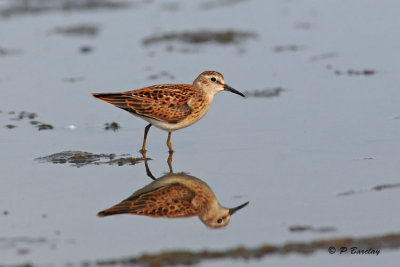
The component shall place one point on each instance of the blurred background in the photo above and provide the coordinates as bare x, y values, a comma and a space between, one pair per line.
314, 146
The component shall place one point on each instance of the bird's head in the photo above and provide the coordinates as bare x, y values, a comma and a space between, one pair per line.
213, 82
219, 216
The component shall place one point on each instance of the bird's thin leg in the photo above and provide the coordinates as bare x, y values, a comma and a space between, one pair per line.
169, 161
169, 143
146, 130
143, 154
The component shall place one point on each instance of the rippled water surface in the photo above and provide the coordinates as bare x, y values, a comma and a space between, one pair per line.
314, 147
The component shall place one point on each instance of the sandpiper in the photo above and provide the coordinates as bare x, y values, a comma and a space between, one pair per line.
170, 107
176, 195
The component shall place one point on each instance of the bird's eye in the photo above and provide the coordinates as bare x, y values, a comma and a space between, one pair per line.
213, 79
219, 220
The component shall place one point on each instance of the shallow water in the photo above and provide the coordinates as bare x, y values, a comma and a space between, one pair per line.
333, 129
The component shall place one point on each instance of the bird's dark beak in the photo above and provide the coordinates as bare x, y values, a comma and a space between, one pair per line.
230, 89
233, 210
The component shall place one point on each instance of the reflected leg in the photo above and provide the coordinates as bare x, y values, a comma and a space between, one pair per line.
169, 161
169, 143
148, 172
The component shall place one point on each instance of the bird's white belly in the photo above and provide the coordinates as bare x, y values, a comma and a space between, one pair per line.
169, 127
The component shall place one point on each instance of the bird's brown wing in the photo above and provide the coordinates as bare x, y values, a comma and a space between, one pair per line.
163, 102
173, 200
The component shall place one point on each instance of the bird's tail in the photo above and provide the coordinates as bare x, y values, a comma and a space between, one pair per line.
121, 100
121, 208
109, 96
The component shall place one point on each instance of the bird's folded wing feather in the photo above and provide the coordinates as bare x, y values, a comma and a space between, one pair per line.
173, 200
164, 102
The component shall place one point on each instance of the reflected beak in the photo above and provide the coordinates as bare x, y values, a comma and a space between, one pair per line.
233, 210
230, 89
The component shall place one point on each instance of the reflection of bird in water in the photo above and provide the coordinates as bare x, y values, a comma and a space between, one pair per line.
170, 106
176, 195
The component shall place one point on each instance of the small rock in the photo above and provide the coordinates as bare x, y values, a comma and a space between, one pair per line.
10, 126
86, 49
112, 126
